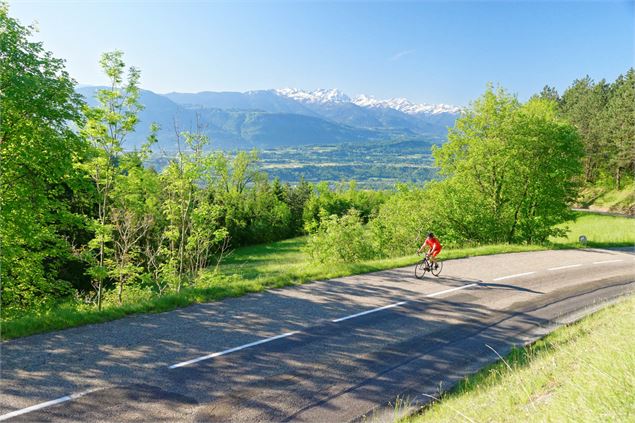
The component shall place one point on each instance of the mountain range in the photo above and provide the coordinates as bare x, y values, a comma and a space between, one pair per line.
285, 117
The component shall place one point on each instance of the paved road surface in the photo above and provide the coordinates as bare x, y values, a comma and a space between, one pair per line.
333, 350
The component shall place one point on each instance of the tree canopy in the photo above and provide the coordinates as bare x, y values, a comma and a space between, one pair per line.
511, 170
39, 208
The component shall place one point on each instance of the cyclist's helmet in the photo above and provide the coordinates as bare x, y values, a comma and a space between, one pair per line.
430, 235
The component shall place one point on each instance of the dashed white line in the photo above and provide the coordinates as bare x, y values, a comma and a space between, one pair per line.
401, 303
513, 276
231, 350
368, 311
606, 261
565, 267
451, 290
47, 404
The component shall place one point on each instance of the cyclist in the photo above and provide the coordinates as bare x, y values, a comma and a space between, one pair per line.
434, 250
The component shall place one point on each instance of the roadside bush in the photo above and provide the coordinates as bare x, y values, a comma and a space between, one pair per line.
341, 239
401, 223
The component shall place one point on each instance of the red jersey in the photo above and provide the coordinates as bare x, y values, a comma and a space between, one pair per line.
434, 244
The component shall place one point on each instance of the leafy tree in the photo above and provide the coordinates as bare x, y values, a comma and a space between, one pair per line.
549, 93
40, 188
296, 198
278, 190
193, 222
401, 223
269, 218
106, 127
135, 211
582, 105
509, 169
339, 201
619, 124
235, 175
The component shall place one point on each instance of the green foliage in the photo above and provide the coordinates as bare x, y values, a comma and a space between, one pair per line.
341, 239
510, 171
192, 221
253, 211
402, 222
619, 125
296, 198
604, 115
135, 215
106, 128
40, 188
258, 267
346, 196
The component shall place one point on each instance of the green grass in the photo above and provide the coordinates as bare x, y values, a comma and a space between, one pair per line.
600, 230
284, 263
583, 372
600, 198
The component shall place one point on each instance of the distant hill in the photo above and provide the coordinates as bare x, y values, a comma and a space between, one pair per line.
287, 117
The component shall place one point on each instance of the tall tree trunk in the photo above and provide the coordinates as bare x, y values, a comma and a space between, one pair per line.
120, 293
99, 288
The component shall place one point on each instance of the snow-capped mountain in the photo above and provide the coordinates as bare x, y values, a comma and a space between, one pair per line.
332, 95
405, 105
289, 117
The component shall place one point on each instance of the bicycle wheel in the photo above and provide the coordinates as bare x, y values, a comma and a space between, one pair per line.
420, 269
437, 270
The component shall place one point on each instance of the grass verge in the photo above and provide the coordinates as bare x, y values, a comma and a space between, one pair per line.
600, 230
614, 200
284, 263
584, 372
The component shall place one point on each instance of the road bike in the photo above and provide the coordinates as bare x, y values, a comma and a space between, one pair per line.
425, 265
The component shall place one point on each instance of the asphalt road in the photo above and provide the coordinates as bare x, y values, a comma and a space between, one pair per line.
335, 350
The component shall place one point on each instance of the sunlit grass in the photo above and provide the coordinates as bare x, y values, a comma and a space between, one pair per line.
609, 199
600, 230
584, 372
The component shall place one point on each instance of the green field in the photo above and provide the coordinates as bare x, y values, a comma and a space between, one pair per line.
259, 267
600, 231
584, 372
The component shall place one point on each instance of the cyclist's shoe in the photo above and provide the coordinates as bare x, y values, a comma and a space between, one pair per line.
436, 266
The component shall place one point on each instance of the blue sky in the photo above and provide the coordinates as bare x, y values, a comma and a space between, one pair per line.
426, 51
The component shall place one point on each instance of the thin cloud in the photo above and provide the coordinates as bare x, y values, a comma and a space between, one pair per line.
401, 54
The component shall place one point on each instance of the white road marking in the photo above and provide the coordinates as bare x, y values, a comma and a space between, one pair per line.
231, 350
46, 404
451, 290
401, 303
565, 267
606, 261
369, 311
513, 276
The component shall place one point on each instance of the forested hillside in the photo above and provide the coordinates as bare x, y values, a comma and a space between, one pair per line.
604, 115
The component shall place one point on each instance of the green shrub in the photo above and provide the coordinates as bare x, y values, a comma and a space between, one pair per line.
402, 221
341, 239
